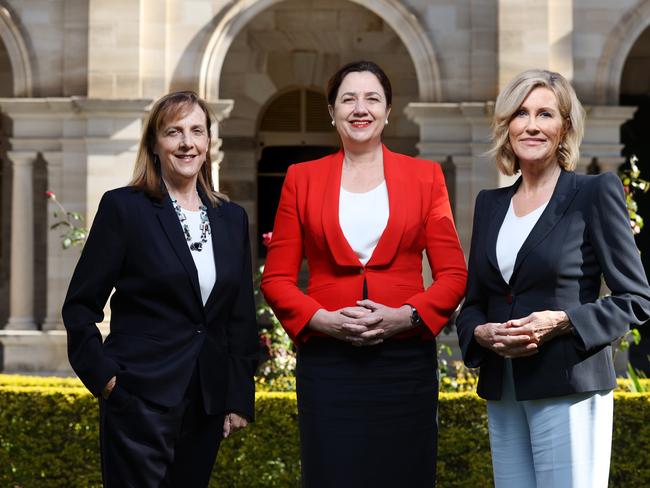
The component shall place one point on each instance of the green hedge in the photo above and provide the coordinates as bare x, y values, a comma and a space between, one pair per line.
49, 438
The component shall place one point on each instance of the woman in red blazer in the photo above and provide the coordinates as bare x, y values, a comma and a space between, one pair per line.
365, 328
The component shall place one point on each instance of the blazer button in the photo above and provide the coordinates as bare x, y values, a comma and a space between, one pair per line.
361, 271
198, 331
509, 298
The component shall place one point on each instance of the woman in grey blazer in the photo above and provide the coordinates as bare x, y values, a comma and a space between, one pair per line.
532, 320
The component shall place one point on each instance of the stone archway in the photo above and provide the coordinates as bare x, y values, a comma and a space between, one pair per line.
297, 45
18, 54
404, 23
615, 52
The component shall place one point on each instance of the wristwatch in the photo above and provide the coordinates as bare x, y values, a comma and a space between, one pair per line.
416, 320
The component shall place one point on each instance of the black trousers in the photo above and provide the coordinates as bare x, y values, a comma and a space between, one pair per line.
144, 445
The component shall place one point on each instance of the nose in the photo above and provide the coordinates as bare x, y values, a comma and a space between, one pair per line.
187, 140
531, 125
360, 107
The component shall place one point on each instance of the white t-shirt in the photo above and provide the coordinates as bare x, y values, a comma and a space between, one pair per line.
512, 235
203, 260
363, 218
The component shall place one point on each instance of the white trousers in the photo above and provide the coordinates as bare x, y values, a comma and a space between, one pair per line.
561, 442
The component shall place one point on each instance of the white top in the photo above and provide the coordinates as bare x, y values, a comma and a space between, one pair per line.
363, 218
512, 235
203, 260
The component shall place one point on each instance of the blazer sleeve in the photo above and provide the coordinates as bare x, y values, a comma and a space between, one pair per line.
601, 322
436, 304
473, 311
243, 341
279, 284
92, 282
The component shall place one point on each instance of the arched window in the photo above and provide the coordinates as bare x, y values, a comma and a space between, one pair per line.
294, 127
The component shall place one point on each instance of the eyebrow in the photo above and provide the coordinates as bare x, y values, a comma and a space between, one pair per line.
367, 93
541, 109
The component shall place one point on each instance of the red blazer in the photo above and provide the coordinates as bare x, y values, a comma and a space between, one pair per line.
307, 225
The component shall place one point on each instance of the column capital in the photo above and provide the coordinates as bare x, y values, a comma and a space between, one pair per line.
221, 108
22, 158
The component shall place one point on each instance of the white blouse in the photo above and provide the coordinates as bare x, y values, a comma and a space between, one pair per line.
512, 235
203, 260
363, 218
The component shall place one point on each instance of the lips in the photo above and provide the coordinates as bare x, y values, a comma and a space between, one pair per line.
360, 124
532, 141
185, 157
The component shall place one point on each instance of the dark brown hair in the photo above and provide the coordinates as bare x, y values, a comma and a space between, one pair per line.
146, 173
335, 81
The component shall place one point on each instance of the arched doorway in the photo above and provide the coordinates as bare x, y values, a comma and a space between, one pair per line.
294, 127
284, 56
635, 91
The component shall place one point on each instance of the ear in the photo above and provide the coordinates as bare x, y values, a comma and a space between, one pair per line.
388, 110
330, 109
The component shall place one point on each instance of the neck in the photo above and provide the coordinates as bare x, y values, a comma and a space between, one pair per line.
362, 156
184, 193
538, 177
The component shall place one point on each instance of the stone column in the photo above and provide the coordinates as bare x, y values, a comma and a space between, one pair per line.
602, 138
220, 110
458, 134
535, 34
21, 286
57, 275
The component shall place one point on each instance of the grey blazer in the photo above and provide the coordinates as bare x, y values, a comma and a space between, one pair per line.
584, 233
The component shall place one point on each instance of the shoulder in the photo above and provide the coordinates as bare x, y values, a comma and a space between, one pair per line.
491, 194
424, 170
126, 197
125, 193
608, 182
233, 211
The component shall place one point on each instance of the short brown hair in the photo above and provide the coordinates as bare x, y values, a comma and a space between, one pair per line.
335, 81
146, 173
509, 101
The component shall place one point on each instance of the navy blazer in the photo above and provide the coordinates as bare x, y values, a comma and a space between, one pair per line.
159, 328
584, 233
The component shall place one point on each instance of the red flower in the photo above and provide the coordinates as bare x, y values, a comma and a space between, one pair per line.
50, 195
266, 238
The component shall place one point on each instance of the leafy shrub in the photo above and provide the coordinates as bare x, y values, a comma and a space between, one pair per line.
49, 438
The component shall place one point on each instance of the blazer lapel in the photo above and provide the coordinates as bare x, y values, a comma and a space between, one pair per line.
170, 224
565, 190
495, 221
397, 185
338, 244
220, 248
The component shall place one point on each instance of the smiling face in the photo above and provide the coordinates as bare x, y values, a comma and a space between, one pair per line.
537, 128
182, 145
360, 110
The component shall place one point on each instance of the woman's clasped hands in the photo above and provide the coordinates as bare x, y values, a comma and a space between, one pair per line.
522, 337
366, 324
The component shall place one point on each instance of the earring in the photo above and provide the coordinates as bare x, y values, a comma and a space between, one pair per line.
560, 146
386, 122
333, 123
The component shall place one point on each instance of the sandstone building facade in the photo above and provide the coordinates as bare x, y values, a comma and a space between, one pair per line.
77, 78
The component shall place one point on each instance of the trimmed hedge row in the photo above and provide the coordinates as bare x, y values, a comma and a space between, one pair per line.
49, 438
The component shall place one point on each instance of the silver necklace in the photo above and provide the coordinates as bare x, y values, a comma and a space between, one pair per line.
204, 227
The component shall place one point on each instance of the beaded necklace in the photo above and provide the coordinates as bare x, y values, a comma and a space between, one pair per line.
204, 226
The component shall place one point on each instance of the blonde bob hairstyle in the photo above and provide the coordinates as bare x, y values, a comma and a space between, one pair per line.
147, 173
509, 101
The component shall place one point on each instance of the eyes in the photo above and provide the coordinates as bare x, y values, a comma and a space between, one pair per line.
371, 99
524, 113
176, 131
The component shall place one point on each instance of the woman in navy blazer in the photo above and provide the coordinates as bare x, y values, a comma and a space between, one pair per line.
533, 320
175, 374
